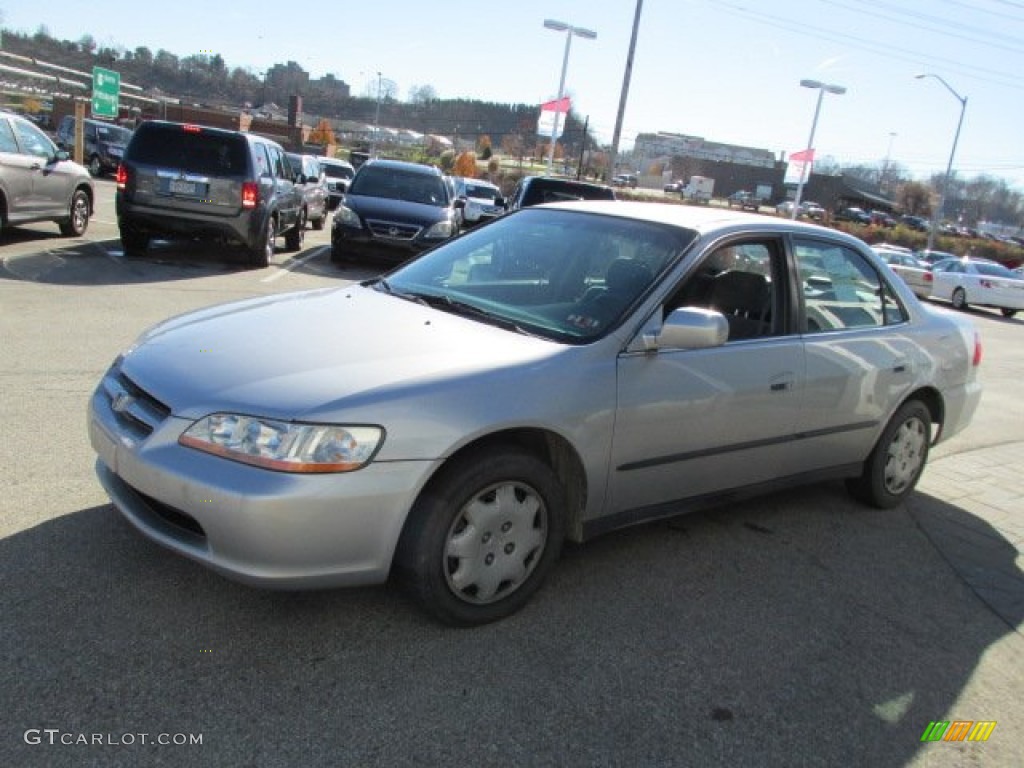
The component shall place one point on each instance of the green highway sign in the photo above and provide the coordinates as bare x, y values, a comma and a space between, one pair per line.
106, 88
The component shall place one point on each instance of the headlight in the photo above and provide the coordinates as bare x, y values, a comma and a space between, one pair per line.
282, 445
441, 229
347, 217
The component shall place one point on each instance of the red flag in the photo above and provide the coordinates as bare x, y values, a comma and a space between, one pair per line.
556, 105
803, 156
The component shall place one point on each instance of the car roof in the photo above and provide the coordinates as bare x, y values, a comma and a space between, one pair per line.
702, 219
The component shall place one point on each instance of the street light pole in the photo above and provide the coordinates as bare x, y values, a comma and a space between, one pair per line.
561, 26
838, 90
937, 215
376, 119
617, 134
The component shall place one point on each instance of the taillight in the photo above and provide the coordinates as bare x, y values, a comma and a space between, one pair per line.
928, 277
190, 128
976, 359
250, 194
122, 176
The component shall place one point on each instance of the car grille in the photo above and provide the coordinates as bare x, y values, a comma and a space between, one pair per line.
137, 411
392, 230
173, 516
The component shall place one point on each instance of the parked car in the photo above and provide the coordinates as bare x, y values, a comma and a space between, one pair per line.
813, 210
184, 180
978, 281
915, 273
39, 182
311, 181
882, 219
534, 190
914, 222
856, 215
561, 372
483, 200
102, 143
394, 209
744, 200
339, 176
674, 186
625, 180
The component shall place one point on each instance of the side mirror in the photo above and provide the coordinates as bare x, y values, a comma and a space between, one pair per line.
459, 202
61, 156
691, 328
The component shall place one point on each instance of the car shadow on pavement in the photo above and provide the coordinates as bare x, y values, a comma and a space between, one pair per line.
799, 629
104, 263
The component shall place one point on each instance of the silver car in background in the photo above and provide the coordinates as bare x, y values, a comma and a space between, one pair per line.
564, 371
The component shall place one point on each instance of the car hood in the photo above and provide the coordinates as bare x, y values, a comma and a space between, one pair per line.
395, 210
304, 355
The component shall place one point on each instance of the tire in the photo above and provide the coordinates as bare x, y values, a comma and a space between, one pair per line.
263, 253
78, 216
898, 459
293, 237
960, 298
318, 223
95, 167
1007, 312
482, 537
133, 243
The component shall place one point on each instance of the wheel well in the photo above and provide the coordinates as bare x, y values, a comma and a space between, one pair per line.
933, 402
555, 451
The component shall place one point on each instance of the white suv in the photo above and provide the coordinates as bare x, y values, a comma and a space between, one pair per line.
483, 200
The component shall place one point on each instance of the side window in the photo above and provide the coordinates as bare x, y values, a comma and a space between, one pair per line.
7, 142
841, 290
260, 158
278, 163
32, 140
742, 281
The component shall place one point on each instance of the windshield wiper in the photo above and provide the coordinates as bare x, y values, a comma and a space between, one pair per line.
448, 304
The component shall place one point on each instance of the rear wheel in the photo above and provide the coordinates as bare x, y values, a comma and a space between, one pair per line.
960, 298
95, 167
133, 243
897, 461
1007, 312
78, 216
294, 237
263, 253
482, 538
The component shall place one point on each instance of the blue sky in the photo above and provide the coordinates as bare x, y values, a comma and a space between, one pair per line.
726, 70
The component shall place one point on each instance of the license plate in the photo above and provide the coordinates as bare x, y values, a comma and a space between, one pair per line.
177, 187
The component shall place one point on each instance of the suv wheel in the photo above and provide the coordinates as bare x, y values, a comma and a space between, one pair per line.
293, 239
78, 216
133, 242
263, 252
95, 169
318, 223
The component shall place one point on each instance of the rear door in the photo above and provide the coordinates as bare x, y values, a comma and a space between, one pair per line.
286, 194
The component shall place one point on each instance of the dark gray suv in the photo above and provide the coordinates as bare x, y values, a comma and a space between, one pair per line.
183, 180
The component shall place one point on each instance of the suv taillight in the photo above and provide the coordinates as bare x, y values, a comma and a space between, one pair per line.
250, 194
122, 176
976, 359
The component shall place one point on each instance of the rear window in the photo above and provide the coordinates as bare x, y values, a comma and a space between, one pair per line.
207, 152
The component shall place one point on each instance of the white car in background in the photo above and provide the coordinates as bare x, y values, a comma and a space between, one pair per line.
483, 200
978, 281
915, 273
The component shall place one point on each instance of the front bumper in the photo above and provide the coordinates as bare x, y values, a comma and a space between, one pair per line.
259, 527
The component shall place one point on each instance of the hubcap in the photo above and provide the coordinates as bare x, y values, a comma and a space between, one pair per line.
905, 456
79, 214
495, 542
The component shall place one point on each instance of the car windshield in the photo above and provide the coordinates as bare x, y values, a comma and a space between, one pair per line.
475, 190
563, 275
399, 185
113, 135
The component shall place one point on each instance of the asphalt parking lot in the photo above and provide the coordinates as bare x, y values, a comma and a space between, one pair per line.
800, 629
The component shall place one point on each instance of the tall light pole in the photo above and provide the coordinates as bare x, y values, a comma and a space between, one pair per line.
838, 90
884, 180
376, 119
561, 26
937, 215
617, 134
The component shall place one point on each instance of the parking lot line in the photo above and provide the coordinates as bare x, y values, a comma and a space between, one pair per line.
286, 268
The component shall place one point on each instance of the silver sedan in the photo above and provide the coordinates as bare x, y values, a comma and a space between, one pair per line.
560, 372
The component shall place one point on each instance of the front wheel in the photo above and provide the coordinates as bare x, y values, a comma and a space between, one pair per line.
960, 298
897, 461
483, 537
95, 167
78, 216
1007, 312
133, 243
